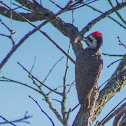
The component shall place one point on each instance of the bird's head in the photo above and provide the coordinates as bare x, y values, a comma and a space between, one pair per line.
94, 40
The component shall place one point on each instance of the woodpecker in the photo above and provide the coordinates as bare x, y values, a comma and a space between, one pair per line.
88, 68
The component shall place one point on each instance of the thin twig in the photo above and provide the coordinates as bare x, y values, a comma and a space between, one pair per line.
110, 114
57, 88
106, 82
118, 116
108, 16
63, 103
121, 43
40, 92
7, 121
120, 17
33, 80
123, 120
84, 3
39, 80
75, 107
5, 35
5, 25
5, 79
33, 65
30, 33
52, 69
22, 7
113, 62
55, 4
42, 110
11, 33
114, 55
23, 119
68, 113
70, 86
102, 16
56, 100
116, 75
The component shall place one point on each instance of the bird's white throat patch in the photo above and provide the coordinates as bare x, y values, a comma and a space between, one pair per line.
92, 42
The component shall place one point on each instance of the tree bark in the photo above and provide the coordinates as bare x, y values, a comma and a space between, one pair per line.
118, 79
117, 82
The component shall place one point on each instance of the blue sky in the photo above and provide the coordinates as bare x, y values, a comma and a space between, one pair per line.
15, 99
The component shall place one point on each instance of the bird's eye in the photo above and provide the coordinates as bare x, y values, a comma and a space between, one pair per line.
90, 39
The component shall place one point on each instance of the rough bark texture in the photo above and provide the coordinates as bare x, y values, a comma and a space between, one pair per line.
118, 80
123, 121
41, 13
85, 119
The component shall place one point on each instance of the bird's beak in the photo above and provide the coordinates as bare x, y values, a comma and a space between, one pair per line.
84, 39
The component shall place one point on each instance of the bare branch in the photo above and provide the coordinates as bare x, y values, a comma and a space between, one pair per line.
119, 115
7, 121
55, 4
23, 119
42, 110
52, 69
33, 80
63, 103
75, 107
112, 113
123, 121
120, 17
108, 16
21, 41
102, 16
5, 35
121, 43
11, 33
67, 29
21, 7
114, 55
68, 114
82, 3
30, 16
5, 25
5, 79
110, 89
57, 100
40, 92
70, 86
114, 62
26, 3
33, 65
113, 77
38, 80
41, 13
58, 88
30, 33
113, 86
121, 73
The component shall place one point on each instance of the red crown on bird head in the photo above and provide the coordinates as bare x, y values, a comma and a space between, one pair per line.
97, 34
